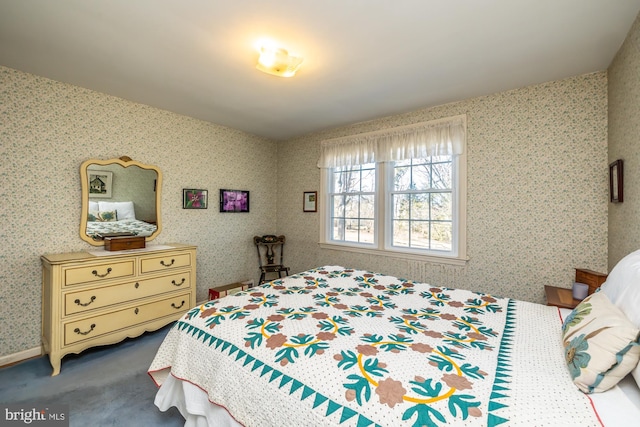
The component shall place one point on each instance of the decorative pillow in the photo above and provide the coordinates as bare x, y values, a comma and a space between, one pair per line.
636, 374
93, 216
107, 216
623, 289
601, 346
125, 209
623, 286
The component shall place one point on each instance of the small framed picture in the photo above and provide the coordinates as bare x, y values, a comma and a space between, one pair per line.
100, 183
615, 182
310, 202
194, 199
234, 200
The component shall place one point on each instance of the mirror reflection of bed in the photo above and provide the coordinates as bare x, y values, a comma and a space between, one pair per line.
120, 197
116, 218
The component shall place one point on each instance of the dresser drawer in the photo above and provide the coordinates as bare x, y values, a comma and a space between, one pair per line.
81, 301
97, 272
96, 326
162, 263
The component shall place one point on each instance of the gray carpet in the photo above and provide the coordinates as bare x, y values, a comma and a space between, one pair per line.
104, 386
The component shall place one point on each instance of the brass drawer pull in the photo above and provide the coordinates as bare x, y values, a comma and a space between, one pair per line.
77, 301
173, 282
78, 331
168, 265
95, 273
177, 306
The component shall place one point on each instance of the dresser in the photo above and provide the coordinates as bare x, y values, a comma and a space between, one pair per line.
99, 297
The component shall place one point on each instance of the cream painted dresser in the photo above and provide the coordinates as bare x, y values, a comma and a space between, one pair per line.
100, 297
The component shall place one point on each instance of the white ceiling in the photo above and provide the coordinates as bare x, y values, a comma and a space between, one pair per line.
363, 59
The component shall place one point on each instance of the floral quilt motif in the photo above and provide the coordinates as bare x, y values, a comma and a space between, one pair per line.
359, 348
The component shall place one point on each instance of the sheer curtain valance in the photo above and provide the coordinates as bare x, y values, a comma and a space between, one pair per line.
435, 138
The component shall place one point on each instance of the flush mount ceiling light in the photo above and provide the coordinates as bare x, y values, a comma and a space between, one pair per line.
278, 62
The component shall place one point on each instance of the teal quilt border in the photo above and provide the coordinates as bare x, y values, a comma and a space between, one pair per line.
275, 376
501, 382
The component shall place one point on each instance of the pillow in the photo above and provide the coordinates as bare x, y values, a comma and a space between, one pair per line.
93, 216
636, 374
93, 206
623, 286
601, 346
125, 209
107, 216
623, 289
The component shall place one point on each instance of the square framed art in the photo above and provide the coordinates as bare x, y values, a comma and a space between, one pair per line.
194, 199
100, 183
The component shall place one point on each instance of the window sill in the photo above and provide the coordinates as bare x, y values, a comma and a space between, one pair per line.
397, 254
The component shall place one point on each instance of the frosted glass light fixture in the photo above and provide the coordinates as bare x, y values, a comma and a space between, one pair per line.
278, 62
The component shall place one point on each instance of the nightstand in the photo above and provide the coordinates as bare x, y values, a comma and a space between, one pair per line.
591, 278
561, 297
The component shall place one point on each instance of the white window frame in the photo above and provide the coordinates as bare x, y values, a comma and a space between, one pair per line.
383, 220
329, 176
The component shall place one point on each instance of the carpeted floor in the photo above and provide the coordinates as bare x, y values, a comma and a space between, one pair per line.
104, 386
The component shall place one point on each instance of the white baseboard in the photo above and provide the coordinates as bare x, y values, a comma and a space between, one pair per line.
20, 356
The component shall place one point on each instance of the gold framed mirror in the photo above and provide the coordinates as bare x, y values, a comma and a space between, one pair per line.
119, 197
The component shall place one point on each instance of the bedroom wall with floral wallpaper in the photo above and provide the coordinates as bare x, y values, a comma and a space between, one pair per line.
624, 143
537, 191
537, 184
49, 128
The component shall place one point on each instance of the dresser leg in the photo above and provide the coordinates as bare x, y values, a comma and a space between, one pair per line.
55, 363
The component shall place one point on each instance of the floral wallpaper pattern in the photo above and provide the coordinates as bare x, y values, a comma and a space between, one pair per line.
537, 191
624, 128
49, 128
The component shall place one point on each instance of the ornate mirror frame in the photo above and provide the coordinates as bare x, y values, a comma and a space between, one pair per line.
125, 162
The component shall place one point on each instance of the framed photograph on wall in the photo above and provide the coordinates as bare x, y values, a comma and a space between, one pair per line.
310, 202
194, 199
234, 201
615, 182
100, 183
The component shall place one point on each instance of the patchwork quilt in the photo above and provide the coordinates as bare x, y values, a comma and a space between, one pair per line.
342, 347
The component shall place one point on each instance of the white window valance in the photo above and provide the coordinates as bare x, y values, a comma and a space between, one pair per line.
434, 138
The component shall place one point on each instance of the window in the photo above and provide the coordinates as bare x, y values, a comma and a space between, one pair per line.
420, 196
412, 206
353, 202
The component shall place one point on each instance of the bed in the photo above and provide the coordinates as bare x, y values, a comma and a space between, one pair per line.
112, 218
133, 227
334, 346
